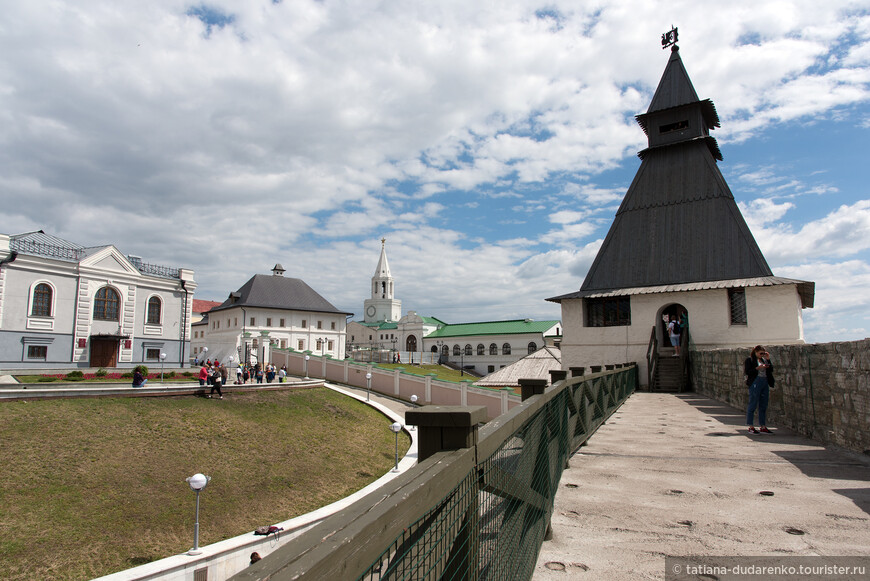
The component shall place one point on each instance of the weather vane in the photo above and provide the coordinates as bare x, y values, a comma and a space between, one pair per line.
670, 37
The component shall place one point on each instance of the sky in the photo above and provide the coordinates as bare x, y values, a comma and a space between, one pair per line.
489, 143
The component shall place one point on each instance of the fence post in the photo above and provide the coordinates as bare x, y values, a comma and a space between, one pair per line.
557, 375
443, 428
530, 387
576, 371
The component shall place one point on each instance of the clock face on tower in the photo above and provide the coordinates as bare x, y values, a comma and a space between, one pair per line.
370, 311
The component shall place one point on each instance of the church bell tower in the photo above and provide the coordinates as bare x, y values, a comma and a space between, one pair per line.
382, 306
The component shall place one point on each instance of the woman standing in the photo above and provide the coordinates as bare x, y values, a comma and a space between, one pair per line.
759, 379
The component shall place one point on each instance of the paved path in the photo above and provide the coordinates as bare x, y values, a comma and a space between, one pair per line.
677, 475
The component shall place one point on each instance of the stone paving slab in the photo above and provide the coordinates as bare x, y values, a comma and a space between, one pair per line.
677, 474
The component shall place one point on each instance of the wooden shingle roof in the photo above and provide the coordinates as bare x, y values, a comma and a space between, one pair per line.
678, 223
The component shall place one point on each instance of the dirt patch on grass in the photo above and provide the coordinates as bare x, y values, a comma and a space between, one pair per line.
93, 486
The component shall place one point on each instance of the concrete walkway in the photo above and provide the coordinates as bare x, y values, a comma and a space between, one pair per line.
678, 475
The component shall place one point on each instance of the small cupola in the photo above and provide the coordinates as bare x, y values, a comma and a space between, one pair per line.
278, 270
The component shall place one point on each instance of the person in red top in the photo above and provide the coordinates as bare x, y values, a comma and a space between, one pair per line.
203, 375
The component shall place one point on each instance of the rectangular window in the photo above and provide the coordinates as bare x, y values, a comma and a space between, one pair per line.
235, 321
737, 303
283, 343
304, 324
268, 321
218, 324
329, 343
282, 323
228, 323
152, 354
300, 345
319, 324
608, 312
332, 325
37, 351
253, 321
490, 368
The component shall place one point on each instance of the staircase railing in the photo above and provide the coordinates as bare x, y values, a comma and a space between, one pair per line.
652, 358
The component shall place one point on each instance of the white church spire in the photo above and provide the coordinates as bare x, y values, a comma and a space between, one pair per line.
382, 306
382, 270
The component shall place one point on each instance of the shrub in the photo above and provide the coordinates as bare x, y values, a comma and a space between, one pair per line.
128, 375
141, 369
101, 372
74, 376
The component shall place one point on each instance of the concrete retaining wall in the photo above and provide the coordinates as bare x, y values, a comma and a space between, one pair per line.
822, 390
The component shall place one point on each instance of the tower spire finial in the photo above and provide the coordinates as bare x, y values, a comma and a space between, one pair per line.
383, 242
670, 38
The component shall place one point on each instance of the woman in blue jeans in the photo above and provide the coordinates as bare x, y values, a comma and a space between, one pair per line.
759, 379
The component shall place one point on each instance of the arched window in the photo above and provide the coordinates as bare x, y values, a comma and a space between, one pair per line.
41, 306
445, 351
456, 350
532, 347
481, 350
434, 349
493, 349
154, 307
106, 305
468, 350
506, 349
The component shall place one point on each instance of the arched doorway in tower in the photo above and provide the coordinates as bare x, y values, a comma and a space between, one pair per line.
411, 343
668, 313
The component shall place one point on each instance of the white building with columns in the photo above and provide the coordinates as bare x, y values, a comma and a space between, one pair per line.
64, 305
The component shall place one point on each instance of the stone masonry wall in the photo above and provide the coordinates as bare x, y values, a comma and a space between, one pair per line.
822, 390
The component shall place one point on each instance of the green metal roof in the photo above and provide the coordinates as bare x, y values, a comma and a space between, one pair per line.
380, 325
433, 321
516, 327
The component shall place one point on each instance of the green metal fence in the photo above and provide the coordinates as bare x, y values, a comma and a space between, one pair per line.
478, 513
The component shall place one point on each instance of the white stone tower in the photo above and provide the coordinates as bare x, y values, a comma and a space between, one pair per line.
382, 306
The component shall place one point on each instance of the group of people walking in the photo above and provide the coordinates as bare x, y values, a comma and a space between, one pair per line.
215, 375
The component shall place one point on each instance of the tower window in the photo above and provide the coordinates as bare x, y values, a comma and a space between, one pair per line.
737, 304
670, 127
608, 312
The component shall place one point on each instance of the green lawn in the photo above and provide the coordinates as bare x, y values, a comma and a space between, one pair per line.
93, 486
443, 373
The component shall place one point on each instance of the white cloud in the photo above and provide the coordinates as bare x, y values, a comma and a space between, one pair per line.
843, 232
301, 132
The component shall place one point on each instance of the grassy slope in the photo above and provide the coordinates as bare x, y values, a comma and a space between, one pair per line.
93, 486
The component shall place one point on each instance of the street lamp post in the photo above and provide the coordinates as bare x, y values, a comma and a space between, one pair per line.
413, 401
162, 359
197, 483
306, 366
462, 363
440, 347
393, 341
396, 427
368, 385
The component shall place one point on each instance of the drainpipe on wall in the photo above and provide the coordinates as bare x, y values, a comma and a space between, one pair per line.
12, 256
184, 323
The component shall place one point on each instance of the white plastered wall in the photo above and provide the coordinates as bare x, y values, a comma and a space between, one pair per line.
773, 317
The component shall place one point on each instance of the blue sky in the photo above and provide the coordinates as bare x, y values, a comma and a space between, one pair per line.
490, 144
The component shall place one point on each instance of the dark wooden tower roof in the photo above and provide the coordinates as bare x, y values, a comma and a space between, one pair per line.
678, 223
